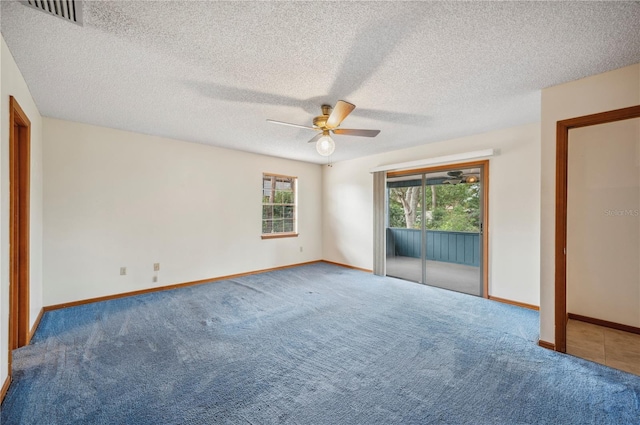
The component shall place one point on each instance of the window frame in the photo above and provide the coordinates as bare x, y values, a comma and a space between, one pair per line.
283, 234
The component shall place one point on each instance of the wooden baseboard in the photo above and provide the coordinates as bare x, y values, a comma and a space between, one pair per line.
516, 303
548, 345
347, 266
34, 328
170, 287
605, 323
5, 388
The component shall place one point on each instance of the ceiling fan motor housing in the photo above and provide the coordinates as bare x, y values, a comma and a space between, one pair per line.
321, 120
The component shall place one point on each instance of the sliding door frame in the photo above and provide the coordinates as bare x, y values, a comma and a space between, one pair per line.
562, 165
484, 181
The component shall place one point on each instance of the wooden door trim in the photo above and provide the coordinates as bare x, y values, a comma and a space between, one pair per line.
562, 158
484, 164
19, 194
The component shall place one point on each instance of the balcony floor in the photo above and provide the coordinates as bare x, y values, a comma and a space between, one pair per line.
455, 277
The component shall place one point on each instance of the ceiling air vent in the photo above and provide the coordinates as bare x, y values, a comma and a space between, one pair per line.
69, 10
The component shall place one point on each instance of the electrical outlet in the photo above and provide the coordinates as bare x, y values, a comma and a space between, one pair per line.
123, 271
156, 267
300, 249
155, 279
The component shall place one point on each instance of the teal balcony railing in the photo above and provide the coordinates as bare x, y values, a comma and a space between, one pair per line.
450, 247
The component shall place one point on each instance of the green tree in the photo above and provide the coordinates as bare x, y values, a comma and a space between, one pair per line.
410, 200
457, 207
396, 214
447, 207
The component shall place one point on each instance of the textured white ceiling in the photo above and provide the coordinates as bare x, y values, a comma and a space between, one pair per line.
213, 72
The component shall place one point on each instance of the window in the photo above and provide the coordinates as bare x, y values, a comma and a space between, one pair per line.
278, 206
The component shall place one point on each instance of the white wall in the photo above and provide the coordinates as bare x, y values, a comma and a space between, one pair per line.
604, 92
514, 207
12, 84
120, 199
603, 225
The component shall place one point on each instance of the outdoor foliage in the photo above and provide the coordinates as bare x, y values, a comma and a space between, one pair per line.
278, 204
453, 207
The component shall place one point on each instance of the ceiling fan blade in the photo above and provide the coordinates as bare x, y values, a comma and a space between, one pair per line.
352, 132
291, 125
315, 138
339, 113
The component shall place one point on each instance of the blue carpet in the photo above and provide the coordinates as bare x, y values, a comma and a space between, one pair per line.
316, 344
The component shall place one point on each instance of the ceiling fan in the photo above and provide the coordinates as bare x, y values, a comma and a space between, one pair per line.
456, 177
329, 122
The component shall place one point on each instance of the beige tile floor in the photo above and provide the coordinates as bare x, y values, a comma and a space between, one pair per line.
611, 347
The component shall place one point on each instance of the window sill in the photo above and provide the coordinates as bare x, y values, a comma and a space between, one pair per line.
279, 235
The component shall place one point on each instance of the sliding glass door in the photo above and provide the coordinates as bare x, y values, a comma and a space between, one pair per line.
434, 228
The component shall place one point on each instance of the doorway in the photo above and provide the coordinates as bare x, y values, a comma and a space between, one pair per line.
435, 226
602, 194
19, 193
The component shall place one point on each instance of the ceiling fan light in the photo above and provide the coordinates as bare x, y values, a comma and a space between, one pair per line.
325, 146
